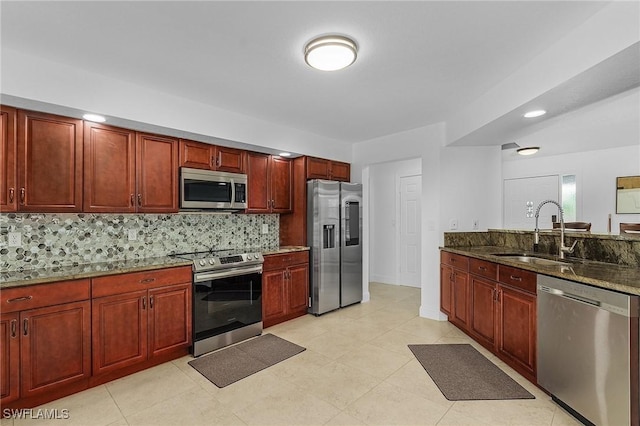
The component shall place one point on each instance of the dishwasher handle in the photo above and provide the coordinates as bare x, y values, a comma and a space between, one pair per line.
561, 293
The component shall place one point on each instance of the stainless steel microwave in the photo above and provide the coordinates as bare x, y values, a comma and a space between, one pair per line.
207, 189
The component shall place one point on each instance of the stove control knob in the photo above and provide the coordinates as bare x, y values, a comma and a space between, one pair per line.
201, 263
249, 257
212, 261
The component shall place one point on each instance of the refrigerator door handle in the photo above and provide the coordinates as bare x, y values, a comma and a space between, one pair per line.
328, 236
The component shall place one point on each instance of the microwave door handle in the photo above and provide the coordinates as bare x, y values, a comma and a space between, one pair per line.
233, 193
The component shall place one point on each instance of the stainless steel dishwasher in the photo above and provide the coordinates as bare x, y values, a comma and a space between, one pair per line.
588, 350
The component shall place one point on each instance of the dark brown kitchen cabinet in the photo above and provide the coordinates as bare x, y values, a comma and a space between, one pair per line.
501, 309
8, 191
199, 155
270, 188
320, 168
454, 284
49, 163
285, 287
139, 316
156, 174
109, 152
46, 343
146, 167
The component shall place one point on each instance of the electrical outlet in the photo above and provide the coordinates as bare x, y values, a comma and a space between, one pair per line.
453, 224
132, 234
476, 223
265, 228
15, 239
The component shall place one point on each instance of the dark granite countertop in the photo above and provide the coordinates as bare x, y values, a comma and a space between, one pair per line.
625, 279
11, 279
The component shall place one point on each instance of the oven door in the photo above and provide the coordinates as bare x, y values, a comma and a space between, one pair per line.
226, 300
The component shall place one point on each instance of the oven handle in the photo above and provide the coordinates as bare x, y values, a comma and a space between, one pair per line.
206, 276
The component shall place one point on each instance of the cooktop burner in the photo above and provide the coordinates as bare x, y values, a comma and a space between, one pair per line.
221, 259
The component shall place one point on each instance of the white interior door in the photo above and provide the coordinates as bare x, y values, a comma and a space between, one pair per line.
522, 197
409, 230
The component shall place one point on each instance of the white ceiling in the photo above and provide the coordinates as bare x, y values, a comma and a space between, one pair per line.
418, 61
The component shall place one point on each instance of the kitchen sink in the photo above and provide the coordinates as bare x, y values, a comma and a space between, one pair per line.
534, 260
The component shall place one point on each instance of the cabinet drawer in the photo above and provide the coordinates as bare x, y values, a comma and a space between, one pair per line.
124, 283
483, 268
455, 260
279, 261
38, 296
524, 280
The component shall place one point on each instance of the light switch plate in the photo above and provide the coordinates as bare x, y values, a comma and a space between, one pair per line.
132, 234
15, 239
453, 224
265, 228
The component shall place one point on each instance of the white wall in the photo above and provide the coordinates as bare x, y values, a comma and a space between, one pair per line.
383, 211
37, 79
596, 173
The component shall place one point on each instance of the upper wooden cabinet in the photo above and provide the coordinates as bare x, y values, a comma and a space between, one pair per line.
109, 152
146, 166
319, 168
200, 155
49, 163
269, 180
8, 191
156, 173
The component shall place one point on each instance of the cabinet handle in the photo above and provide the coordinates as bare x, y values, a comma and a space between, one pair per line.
482, 268
132, 200
11, 192
144, 302
452, 260
25, 326
139, 199
273, 204
150, 302
147, 280
514, 278
213, 161
23, 193
451, 277
20, 299
218, 160
14, 326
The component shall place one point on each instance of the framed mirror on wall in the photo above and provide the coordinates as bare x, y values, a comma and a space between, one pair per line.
628, 194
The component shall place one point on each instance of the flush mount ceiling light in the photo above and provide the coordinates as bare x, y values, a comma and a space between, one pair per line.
530, 150
94, 117
534, 114
330, 53
285, 154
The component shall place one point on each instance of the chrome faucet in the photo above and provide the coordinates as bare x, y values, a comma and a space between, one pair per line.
536, 235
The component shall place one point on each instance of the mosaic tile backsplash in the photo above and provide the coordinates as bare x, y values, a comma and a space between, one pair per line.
74, 239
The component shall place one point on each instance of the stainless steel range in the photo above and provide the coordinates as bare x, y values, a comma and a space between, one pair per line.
227, 297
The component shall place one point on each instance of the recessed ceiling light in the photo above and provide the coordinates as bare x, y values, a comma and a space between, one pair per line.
536, 113
285, 154
94, 117
330, 53
530, 150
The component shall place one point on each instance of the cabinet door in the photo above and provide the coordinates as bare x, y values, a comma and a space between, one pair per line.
273, 296
169, 318
55, 346
157, 174
460, 299
230, 159
280, 185
483, 310
258, 168
9, 357
446, 280
298, 288
119, 331
317, 168
197, 155
109, 169
517, 328
340, 171
8, 190
49, 163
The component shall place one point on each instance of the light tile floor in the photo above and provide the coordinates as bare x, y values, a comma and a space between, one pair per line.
357, 370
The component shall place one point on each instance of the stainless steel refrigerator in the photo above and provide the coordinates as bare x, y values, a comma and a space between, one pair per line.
334, 233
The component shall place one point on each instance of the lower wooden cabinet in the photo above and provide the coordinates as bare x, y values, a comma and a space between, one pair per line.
130, 327
495, 305
285, 287
48, 347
